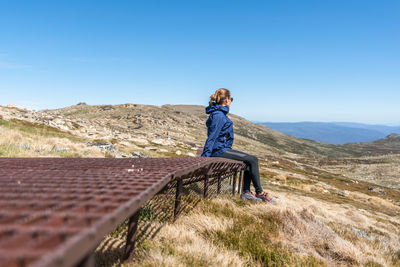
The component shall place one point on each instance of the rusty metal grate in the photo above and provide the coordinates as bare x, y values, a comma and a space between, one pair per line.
54, 211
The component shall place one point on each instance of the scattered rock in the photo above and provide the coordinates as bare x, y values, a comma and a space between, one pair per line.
190, 144
376, 189
106, 107
140, 141
56, 149
280, 178
122, 155
360, 232
25, 146
277, 199
129, 105
139, 155
363, 234
152, 148
107, 147
58, 121
190, 154
124, 143
13, 106
343, 193
178, 152
162, 142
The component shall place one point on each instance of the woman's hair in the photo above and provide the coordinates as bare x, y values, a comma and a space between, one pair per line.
219, 96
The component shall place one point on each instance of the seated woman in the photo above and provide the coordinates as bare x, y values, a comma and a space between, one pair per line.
220, 140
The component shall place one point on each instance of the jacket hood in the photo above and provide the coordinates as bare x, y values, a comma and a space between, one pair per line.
211, 109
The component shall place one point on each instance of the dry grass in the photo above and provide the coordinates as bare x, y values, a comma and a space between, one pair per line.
340, 234
182, 244
311, 226
307, 228
16, 143
358, 228
222, 232
383, 170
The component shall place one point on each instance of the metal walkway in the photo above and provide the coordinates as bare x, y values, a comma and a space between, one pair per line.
55, 211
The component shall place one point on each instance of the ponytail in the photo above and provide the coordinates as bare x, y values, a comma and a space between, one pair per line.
219, 96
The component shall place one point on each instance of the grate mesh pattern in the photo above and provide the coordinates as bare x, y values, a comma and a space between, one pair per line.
54, 211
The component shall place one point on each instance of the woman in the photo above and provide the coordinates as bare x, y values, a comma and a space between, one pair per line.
220, 140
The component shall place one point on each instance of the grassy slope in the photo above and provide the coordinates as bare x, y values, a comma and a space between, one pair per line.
190, 120
312, 225
185, 125
24, 139
183, 121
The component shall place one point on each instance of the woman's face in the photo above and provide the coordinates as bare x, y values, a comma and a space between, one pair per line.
228, 102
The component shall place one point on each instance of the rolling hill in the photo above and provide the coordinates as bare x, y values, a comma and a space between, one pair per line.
334, 132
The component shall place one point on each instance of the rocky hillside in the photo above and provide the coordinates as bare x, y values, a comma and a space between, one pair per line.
387, 145
331, 212
132, 130
148, 127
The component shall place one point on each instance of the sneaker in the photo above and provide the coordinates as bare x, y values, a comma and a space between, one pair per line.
263, 196
249, 196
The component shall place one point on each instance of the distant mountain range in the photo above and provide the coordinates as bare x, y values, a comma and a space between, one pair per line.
334, 132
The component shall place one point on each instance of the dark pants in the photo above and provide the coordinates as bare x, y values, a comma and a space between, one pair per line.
251, 172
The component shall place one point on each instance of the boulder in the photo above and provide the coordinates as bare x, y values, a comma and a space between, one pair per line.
140, 141
107, 147
343, 193
139, 155
162, 142
376, 189
281, 178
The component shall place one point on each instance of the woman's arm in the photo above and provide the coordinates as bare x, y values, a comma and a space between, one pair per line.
229, 141
213, 132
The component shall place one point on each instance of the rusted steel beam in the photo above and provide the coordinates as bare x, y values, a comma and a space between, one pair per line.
131, 236
219, 184
234, 183
206, 180
240, 185
178, 198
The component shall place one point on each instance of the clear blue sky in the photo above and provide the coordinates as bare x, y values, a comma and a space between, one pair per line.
333, 60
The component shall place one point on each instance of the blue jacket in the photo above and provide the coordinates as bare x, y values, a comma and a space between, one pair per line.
219, 131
